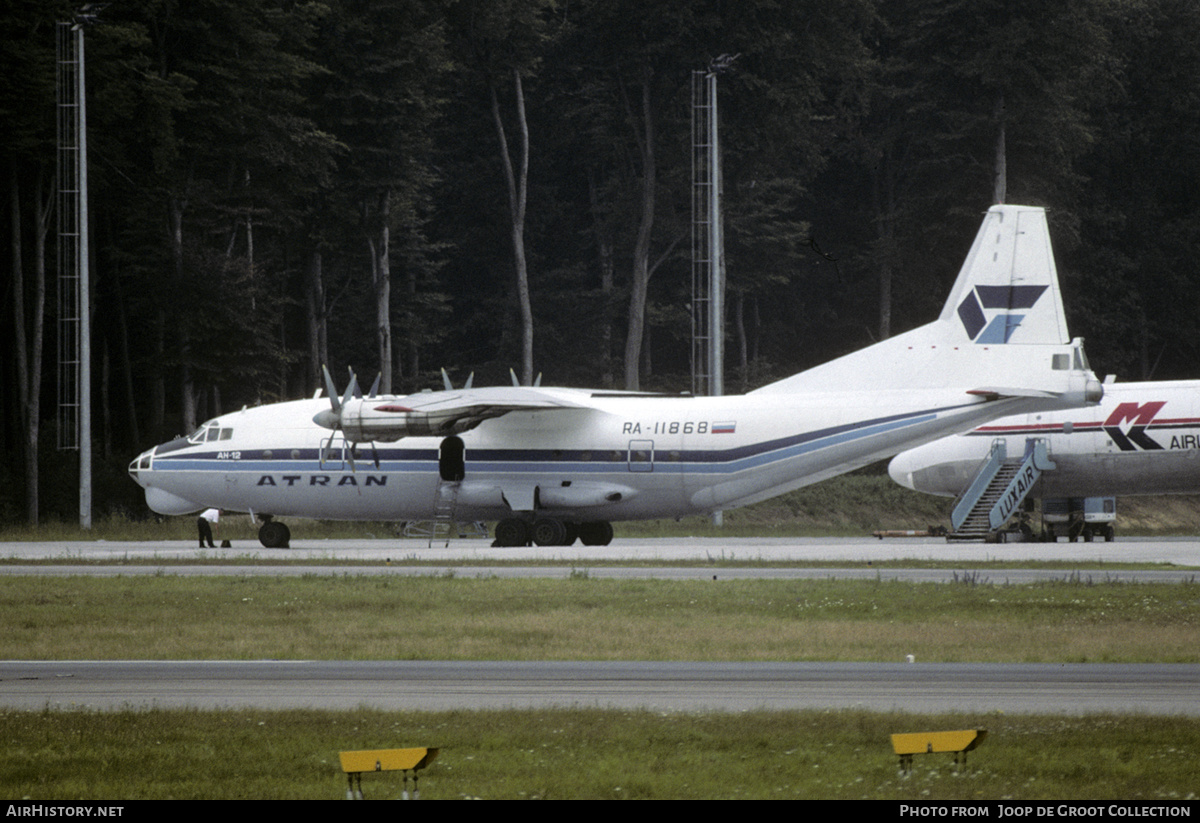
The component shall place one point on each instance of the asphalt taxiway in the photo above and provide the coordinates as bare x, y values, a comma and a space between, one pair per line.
1172, 689
658, 686
1174, 558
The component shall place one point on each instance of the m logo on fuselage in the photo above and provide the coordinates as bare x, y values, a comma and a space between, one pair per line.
1140, 416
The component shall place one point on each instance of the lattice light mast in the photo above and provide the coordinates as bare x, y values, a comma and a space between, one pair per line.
708, 243
708, 247
74, 320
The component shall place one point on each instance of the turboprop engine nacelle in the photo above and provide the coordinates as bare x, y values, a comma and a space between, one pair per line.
365, 421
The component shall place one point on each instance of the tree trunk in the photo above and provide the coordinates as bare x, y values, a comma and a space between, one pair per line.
158, 386
414, 326
187, 389
884, 204
604, 250
1000, 191
381, 273
318, 352
641, 252
739, 320
130, 398
517, 182
885, 228
29, 343
106, 431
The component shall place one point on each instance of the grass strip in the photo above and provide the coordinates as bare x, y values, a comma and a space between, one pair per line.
591, 754
448, 617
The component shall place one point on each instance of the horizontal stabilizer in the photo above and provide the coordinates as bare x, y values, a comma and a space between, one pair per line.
995, 393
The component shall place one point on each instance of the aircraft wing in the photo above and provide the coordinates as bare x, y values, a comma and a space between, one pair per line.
436, 413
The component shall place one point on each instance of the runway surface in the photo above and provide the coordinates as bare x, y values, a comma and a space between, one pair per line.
658, 686
431, 685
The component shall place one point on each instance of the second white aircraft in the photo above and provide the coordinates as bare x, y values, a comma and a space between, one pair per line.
1143, 439
554, 465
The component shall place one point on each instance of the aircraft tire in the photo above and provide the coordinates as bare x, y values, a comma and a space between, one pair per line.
274, 535
598, 533
512, 532
549, 531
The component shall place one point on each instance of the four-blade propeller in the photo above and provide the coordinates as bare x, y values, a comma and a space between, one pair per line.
331, 418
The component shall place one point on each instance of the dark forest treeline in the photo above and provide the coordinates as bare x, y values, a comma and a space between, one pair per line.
402, 185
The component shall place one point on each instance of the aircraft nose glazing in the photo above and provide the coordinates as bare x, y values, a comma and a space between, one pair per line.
141, 463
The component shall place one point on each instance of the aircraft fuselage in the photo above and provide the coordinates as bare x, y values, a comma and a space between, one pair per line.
1144, 438
618, 458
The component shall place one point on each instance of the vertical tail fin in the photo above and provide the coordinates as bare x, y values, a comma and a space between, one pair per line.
1003, 324
1007, 290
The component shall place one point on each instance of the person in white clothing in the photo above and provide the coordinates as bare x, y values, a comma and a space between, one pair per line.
205, 522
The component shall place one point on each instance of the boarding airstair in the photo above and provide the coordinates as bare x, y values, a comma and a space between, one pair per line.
443, 526
996, 493
445, 501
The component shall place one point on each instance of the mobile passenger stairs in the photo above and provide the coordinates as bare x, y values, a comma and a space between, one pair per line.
997, 493
996, 507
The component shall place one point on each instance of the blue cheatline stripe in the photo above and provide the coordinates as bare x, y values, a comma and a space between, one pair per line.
808, 447
540, 460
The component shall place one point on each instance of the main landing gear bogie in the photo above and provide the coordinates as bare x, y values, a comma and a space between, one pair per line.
550, 531
274, 535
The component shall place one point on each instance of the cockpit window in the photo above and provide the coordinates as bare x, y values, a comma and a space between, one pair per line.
211, 432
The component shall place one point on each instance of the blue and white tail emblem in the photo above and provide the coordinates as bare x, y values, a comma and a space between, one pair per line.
1007, 290
990, 314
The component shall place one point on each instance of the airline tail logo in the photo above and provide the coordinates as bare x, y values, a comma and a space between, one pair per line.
987, 312
1140, 416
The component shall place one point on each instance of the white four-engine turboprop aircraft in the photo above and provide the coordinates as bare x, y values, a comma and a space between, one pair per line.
557, 464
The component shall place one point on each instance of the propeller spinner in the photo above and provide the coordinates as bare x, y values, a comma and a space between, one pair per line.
332, 418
